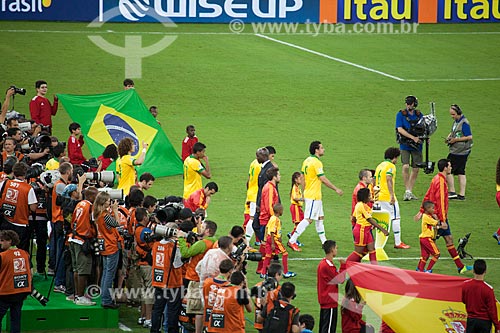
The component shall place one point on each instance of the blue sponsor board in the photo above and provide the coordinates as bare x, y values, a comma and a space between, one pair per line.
200, 11
459, 11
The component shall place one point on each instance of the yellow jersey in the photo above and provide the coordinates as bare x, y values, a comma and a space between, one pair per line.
362, 212
192, 176
384, 169
296, 193
253, 181
312, 168
274, 226
52, 164
126, 170
428, 227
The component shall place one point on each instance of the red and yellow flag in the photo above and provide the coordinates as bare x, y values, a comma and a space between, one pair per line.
410, 301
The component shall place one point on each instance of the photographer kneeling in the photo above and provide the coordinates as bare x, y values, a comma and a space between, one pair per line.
266, 291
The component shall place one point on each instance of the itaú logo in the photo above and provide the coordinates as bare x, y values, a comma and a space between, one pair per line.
134, 10
25, 6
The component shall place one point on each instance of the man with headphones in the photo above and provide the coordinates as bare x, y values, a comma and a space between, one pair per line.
460, 142
409, 144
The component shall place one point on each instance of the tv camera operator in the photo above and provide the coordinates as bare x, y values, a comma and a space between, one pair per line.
17, 201
15, 279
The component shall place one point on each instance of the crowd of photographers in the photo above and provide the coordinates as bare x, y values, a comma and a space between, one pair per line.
163, 253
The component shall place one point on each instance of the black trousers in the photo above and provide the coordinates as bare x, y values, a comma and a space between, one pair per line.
328, 320
14, 303
40, 228
475, 325
172, 298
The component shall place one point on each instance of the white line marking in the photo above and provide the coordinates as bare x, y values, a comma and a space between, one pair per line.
124, 328
90, 31
451, 80
331, 58
415, 258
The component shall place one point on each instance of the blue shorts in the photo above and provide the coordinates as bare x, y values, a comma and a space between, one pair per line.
445, 232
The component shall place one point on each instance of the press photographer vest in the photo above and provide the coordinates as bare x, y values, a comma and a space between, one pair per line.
81, 221
14, 202
193, 262
167, 265
108, 238
57, 214
227, 314
15, 272
142, 248
460, 147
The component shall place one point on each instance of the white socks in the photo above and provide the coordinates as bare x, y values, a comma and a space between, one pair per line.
320, 229
300, 229
249, 231
396, 229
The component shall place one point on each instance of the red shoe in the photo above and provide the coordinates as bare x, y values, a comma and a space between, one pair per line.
294, 247
402, 246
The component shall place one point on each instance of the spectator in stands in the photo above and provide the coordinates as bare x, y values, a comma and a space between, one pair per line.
40, 108
75, 143
189, 141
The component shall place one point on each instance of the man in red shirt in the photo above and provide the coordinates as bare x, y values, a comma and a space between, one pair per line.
328, 289
365, 179
201, 198
189, 141
480, 302
40, 108
438, 194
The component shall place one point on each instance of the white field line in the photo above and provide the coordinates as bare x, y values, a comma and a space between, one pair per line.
124, 328
330, 57
281, 42
390, 258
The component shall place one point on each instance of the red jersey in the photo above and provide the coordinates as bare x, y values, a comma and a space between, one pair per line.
438, 194
480, 301
269, 198
75, 153
42, 111
15, 272
105, 162
352, 313
327, 284
196, 200
187, 146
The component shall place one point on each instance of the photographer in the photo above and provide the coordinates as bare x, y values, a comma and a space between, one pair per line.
109, 244
17, 208
167, 280
80, 245
9, 147
15, 278
409, 144
17, 135
5, 106
227, 312
211, 285
41, 109
196, 253
272, 317
143, 248
266, 291
209, 265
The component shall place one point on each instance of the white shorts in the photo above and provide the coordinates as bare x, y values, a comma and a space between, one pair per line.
313, 209
392, 209
253, 207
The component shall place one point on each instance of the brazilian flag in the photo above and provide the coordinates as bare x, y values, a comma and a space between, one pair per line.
108, 118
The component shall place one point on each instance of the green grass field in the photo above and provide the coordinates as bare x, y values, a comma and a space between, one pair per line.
243, 91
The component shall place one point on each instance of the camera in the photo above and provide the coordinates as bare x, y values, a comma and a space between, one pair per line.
163, 231
261, 291
50, 177
39, 297
168, 209
240, 252
25, 127
20, 91
128, 239
103, 176
34, 171
114, 194
462, 242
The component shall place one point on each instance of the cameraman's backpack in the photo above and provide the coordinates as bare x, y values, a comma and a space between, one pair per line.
279, 317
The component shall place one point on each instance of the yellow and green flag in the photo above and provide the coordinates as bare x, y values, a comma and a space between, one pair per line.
410, 301
108, 118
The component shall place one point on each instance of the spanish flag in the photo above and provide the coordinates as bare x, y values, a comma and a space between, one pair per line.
108, 118
410, 301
